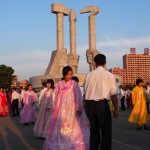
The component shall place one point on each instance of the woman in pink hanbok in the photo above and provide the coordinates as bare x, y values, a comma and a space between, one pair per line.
28, 112
46, 105
69, 126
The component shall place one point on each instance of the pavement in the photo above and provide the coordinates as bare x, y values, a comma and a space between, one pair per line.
14, 136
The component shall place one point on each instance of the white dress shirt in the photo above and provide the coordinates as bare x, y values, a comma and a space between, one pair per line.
22, 94
15, 95
148, 90
121, 93
99, 84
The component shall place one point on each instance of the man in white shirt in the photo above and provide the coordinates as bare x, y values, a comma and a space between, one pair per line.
122, 97
15, 98
22, 94
99, 86
42, 92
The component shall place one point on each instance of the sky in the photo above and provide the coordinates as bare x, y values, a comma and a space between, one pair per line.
28, 32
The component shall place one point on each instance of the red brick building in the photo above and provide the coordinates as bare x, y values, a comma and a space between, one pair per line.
134, 66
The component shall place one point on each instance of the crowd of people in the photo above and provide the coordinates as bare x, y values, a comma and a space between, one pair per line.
125, 96
70, 117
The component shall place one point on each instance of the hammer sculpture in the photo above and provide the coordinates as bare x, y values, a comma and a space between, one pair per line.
91, 52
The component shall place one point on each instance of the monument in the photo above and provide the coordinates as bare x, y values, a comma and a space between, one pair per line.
91, 52
73, 57
59, 57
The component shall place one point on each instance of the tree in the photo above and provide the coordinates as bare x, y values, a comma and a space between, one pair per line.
6, 76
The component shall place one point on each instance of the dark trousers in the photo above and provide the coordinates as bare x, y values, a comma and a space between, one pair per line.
22, 104
122, 103
128, 102
15, 110
99, 116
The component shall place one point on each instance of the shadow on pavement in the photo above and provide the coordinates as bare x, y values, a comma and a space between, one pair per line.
14, 136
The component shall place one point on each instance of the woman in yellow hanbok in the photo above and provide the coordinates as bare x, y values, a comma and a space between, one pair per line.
139, 114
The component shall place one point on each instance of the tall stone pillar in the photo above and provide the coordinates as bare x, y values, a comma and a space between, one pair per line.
73, 58
91, 52
59, 56
60, 30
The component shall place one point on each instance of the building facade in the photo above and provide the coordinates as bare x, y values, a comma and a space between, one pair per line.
16, 83
134, 66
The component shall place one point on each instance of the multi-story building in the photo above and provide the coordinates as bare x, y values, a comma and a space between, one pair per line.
120, 72
134, 66
16, 83
23, 83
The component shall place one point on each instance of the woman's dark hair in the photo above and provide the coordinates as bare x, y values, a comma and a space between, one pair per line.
139, 81
65, 71
29, 85
100, 59
44, 84
51, 81
75, 78
14, 88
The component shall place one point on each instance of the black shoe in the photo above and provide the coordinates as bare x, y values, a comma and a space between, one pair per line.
139, 128
146, 127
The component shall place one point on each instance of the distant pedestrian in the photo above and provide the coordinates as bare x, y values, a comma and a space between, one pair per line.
139, 114
15, 99
28, 112
128, 95
122, 97
99, 86
22, 94
46, 106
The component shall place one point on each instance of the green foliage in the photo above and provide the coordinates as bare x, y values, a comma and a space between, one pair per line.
6, 76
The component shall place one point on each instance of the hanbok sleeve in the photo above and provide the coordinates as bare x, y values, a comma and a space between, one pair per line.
78, 98
34, 97
25, 98
54, 96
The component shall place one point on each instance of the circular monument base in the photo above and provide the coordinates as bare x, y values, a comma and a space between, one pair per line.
36, 81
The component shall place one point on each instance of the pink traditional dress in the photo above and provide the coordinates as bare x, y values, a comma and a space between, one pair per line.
42, 122
28, 112
68, 130
3, 104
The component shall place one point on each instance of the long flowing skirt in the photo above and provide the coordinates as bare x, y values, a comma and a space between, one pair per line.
68, 130
28, 113
139, 114
42, 122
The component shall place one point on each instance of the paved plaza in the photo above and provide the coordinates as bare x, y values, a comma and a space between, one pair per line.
14, 136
